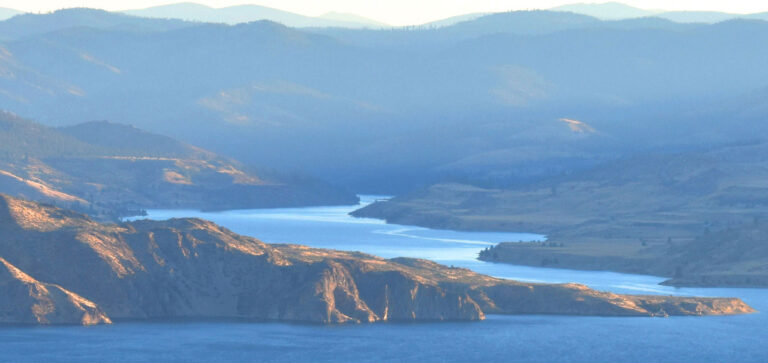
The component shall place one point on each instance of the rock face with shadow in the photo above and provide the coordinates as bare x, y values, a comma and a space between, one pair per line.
26, 300
86, 272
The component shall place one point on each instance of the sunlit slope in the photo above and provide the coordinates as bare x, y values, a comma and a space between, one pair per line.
109, 170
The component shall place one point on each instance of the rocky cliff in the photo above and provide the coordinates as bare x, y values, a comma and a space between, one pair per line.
26, 300
190, 268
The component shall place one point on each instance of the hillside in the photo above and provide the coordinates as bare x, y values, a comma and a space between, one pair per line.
189, 268
110, 170
696, 214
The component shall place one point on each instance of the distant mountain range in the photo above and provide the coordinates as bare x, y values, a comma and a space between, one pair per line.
619, 11
497, 85
248, 13
24, 25
190, 11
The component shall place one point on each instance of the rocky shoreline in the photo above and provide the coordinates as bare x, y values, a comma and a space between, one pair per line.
65, 268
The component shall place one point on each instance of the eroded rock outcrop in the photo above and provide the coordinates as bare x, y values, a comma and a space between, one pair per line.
193, 268
28, 301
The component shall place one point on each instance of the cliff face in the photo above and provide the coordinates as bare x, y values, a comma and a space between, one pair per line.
194, 268
26, 300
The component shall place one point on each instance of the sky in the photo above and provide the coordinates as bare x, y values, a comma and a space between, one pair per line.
394, 12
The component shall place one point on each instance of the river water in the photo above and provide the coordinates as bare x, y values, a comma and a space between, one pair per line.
498, 338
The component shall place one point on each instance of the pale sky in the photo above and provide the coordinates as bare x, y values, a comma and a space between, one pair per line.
394, 12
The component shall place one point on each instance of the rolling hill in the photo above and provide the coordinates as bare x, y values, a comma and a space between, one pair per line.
110, 170
696, 216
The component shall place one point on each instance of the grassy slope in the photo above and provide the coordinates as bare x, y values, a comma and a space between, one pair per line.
671, 215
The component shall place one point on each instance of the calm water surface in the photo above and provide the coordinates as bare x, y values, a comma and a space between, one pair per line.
499, 338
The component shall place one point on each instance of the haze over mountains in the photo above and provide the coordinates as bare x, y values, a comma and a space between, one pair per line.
190, 11
249, 13
619, 11
496, 86
635, 143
